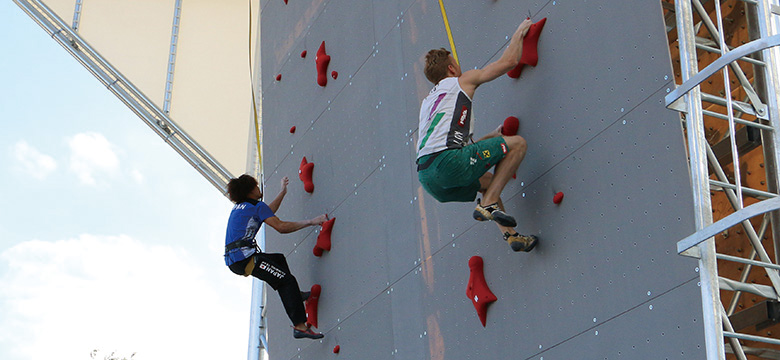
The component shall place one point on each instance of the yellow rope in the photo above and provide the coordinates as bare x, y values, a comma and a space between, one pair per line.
254, 98
449, 32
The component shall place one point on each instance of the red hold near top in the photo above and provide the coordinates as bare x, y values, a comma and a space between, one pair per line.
530, 54
322, 59
305, 172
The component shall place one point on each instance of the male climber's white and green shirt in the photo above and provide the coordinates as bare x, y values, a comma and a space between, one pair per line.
445, 118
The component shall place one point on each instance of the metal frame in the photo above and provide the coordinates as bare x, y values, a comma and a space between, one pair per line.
77, 15
156, 119
172, 57
761, 104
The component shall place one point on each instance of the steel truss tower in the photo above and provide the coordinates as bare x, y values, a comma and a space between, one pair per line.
726, 60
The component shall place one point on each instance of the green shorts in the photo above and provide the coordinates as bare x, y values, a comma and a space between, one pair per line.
454, 174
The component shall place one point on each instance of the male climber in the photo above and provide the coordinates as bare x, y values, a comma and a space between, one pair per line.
451, 169
243, 257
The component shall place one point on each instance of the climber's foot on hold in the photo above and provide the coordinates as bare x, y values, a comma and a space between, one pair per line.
521, 242
305, 295
492, 212
307, 333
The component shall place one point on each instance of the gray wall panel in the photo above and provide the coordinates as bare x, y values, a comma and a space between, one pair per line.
394, 282
659, 328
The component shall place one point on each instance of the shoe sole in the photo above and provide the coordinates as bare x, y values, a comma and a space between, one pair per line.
299, 335
480, 214
518, 245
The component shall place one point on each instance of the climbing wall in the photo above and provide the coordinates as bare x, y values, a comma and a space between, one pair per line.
605, 281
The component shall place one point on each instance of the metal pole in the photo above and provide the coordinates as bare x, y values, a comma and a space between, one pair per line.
708, 272
762, 23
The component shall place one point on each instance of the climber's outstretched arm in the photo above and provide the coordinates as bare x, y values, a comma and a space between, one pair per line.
472, 79
285, 227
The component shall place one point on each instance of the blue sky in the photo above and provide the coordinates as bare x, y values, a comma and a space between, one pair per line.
108, 239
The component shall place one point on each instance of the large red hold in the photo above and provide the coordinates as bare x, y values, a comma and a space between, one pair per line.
322, 59
530, 54
477, 289
323, 239
311, 305
305, 174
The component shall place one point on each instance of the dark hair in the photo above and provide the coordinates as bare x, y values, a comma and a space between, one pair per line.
239, 188
436, 63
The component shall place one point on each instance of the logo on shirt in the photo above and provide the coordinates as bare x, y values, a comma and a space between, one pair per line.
503, 148
463, 113
485, 154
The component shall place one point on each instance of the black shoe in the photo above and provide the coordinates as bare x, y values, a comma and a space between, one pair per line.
305, 295
492, 212
307, 334
521, 242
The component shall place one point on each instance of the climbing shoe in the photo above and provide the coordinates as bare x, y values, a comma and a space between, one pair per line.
492, 212
306, 334
521, 242
305, 295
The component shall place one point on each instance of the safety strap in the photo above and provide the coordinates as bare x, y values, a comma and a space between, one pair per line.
239, 244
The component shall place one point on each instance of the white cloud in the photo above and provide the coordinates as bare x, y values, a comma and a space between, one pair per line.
92, 153
63, 299
137, 176
32, 161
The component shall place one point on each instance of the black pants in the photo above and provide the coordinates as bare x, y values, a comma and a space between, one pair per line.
273, 269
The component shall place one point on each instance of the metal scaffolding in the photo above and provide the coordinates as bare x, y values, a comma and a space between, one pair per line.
732, 41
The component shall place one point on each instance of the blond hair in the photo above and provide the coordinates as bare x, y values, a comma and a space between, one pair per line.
437, 62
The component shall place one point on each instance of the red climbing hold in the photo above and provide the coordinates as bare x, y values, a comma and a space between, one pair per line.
334, 75
510, 127
285, 2
292, 130
303, 162
322, 59
477, 289
279, 77
336, 349
530, 54
323, 239
530, 42
311, 305
515, 73
317, 251
303, 53
558, 197
305, 174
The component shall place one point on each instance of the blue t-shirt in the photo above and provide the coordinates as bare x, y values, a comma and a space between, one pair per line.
243, 224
